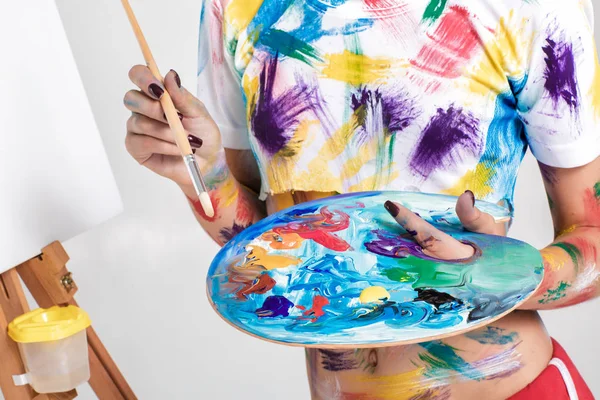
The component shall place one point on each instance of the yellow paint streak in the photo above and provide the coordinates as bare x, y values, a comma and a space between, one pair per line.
371, 182
594, 92
554, 258
365, 153
357, 69
374, 294
567, 230
239, 13
259, 257
502, 57
476, 180
229, 192
403, 386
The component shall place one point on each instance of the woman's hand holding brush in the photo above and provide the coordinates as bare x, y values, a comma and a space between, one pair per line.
151, 143
149, 139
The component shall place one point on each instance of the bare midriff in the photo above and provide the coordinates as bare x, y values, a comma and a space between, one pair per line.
493, 362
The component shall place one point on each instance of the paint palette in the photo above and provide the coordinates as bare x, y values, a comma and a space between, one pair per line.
340, 272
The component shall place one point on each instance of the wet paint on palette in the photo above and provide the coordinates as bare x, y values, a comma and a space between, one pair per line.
308, 291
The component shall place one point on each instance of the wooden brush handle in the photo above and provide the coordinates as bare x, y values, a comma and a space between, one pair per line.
166, 101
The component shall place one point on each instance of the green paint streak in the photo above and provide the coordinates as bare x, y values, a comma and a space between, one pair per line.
433, 274
440, 358
493, 335
287, 45
572, 251
398, 275
597, 190
555, 294
550, 202
434, 10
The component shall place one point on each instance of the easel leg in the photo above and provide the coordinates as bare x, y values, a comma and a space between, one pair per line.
49, 281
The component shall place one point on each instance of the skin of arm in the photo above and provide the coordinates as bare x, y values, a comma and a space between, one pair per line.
571, 261
232, 178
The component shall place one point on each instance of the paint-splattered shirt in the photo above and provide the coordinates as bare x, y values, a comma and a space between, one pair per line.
438, 96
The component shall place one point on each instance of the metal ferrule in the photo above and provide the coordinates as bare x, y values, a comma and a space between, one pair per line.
194, 171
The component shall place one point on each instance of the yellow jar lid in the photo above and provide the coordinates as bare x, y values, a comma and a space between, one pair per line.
46, 325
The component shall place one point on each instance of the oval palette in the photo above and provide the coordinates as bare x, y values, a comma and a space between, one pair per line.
340, 272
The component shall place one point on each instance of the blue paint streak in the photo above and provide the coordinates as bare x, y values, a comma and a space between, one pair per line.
493, 335
203, 40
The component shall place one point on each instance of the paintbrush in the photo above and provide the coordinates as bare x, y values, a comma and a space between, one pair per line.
173, 118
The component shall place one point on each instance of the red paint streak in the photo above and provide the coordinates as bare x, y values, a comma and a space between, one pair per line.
261, 285
591, 205
395, 17
316, 311
216, 33
588, 250
244, 212
214, 198
320, 228
584, 295
453, 43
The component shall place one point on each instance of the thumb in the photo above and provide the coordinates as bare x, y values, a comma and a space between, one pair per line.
184, 101
475, 220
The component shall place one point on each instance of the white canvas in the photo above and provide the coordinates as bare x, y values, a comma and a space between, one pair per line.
55, 179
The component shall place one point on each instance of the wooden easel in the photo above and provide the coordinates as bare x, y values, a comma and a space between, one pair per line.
47, 278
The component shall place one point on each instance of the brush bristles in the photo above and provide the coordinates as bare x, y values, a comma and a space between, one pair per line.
207, 205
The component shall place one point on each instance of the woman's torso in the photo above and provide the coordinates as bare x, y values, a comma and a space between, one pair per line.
361, 95
490, 363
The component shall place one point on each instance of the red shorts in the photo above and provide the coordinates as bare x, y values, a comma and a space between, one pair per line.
559, 381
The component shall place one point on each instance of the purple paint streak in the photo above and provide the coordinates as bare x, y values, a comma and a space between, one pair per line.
274, 118
227, 234
560, 72
448, 135
500, 365
379, 110
392, 245
275, 306
336, 361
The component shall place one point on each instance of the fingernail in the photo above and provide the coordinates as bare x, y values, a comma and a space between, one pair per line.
472, 196
392, 208
180, 115
195, 142
156, 90
177, 79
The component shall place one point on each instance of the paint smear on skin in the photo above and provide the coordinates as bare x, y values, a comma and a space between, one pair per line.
197, 206
448, 136
560, 74
502, 57
244, 210
493, 335
336, 361
261, 285
433, 11
357, 69
553, 295
274, 118
453, 43
442, 361
548, 173
591, 203
258, 256
283, 43
572, 251
226, 234
566, 230
275, 306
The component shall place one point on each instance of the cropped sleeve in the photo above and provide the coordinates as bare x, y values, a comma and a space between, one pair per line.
559, 101
219, 85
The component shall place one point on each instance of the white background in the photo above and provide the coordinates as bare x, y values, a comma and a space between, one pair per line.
141, 275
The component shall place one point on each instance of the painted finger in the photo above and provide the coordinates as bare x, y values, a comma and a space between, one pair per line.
475, 220
141, 76
136, 101
183, 100
434, 242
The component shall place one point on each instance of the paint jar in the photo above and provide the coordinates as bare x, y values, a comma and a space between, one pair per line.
53, 346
